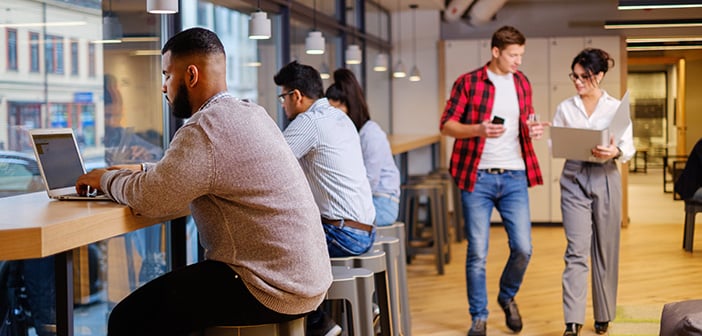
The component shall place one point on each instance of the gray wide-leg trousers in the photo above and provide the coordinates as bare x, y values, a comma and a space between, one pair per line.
591, 198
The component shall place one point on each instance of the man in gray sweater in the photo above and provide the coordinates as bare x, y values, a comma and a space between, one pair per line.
266, 257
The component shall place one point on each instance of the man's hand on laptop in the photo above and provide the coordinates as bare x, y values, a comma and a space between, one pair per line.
90, 182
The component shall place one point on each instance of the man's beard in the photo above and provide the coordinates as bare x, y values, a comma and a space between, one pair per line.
181, 104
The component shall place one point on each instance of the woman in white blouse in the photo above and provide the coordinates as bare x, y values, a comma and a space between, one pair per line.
591, 197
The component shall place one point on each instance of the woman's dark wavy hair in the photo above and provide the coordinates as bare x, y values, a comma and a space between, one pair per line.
348, 91
296, 76
594, 61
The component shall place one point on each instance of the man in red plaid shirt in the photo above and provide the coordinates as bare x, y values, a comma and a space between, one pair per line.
494, 163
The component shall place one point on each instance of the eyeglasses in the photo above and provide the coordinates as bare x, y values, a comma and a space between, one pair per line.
281, 97
583, 78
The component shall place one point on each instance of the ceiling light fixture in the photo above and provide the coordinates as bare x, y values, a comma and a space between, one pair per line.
399, 69
259, 24
314, 43
162, 6
324, 71
636, 24
651, 4
111, 27
381, 60
414, 74
353, 54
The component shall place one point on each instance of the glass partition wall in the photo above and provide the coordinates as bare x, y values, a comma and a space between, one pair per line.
95, 66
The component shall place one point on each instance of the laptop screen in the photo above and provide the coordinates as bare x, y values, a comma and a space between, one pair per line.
59, 159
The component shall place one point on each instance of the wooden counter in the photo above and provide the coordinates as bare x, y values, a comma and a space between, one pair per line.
34, 226
402, 143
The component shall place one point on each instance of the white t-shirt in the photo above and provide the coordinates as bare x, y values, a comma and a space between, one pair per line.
504, 152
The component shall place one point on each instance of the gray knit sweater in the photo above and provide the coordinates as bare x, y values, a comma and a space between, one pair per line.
249, 197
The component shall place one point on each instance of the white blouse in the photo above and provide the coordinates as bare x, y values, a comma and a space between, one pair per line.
571, 113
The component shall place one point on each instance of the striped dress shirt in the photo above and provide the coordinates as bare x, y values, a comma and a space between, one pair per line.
328, 147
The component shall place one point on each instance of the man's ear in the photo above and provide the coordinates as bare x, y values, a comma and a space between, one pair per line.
192, 75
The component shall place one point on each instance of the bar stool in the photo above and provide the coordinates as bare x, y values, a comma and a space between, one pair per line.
396, 280
691, 210
291, 328
417, 242
457, 215
354, 286
373, 260
397, 230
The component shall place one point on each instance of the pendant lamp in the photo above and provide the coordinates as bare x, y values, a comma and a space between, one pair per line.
399, 69
381, 60
162, 6
259, 24
324, 71
353, 54
414, 74
314, 43
111, 27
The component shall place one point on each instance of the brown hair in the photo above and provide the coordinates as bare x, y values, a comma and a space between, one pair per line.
505, 36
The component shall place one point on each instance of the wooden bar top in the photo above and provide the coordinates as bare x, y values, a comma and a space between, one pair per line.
33, 226
402, 143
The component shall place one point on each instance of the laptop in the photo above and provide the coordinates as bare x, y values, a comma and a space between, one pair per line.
60, 163
577, 143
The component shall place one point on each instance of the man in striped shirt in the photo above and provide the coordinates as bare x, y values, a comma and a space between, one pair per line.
493, 163
327, 145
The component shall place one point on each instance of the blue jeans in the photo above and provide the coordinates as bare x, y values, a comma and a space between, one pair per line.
386, 210
506, 192
346, 241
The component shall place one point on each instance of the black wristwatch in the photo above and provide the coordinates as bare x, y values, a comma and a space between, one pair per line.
619, 153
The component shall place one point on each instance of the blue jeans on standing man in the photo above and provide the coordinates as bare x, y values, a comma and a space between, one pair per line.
507, 192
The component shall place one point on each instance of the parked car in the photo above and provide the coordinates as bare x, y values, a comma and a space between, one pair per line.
19, 174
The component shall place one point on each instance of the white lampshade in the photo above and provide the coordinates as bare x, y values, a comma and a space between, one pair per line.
259, 26
162, 6
414, 75
381, 62
353, 54
399, 70
314, 43
324, 71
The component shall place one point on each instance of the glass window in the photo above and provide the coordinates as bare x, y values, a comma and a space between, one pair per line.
377, 91
58, 42
11, 49
113, 104
49, 54
325, 63
92, 64
251, 64
33, 52
74, 58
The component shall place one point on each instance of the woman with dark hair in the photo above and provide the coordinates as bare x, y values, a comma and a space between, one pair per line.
591, 197
346, 94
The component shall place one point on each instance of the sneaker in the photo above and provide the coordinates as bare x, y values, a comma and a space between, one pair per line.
572, 329
324, 326
601, 327
512, 317
479, 328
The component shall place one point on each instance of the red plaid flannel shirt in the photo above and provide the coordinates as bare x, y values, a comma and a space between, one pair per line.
471, 102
